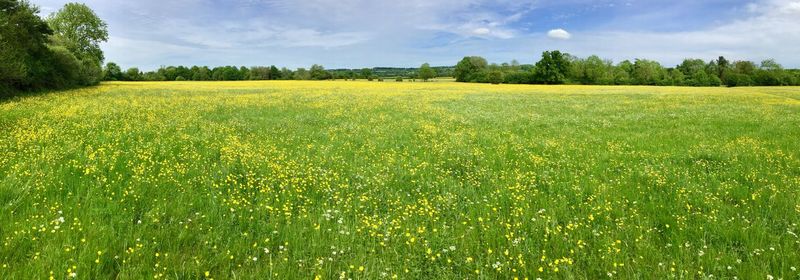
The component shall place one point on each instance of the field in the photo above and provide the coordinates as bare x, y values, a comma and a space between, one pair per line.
368, 180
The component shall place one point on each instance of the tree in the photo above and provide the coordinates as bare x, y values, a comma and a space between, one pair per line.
622, 73
81, 29
77, 28
23, 50
112, 72
259, 73
426, 72
274, 73
318, 72
552, 68
723, 65
366, 73
201, 73
133, 74
467, 69
593, 71
745, 67
647, 72
302, 74
494, 77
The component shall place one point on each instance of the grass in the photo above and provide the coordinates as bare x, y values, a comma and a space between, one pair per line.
297, 180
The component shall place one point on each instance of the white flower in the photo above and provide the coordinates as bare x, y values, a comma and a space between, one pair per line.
73, 275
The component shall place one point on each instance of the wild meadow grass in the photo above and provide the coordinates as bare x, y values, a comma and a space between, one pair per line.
360, 180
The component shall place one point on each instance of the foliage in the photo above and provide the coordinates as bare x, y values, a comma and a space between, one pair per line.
112, 72
426, 72
81, 30
469, 68
553, 68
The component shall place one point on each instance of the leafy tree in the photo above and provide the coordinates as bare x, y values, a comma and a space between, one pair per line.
622, 73
287, 74
745, 67
274, 73
302, 74
133, 74
723, 65
426, 72
467, 69
318, 72
552, 68
494, 77
112, 72
201, 73
593, 71
647, 72
65, 68
23, 50
366, 73
81, 29
259, 73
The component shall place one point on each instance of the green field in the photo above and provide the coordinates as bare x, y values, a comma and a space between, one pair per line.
368, 180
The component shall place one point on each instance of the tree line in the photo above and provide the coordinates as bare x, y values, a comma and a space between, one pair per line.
60, 51
113, 72
556, 67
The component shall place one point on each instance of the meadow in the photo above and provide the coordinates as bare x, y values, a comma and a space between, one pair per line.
369, 180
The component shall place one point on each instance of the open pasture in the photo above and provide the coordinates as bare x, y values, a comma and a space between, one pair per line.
368, 180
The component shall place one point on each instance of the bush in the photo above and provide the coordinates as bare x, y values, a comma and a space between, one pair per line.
91, 73
65, 69
738, 80
495, 77
523, 77
180, 79
398, 79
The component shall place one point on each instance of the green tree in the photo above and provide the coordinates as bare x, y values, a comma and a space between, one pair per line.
426, 72
23, 50
133, 74
81, 29
723, 65
366, 73
274, 73
468, 68
318, 72
552, 68
494, 77
647, 72
112, 72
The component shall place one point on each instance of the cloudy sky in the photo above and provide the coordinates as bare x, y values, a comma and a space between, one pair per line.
367, 33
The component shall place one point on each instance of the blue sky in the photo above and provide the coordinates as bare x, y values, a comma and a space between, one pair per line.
364, 33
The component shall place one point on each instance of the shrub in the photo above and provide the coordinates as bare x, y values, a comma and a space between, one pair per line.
522, 77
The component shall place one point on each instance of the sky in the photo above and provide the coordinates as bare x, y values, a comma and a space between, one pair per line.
371, 33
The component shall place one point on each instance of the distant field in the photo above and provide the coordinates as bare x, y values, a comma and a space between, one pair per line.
368, 180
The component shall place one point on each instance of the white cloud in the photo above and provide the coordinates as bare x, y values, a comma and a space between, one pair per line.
559, 34
481, 31
361, 33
